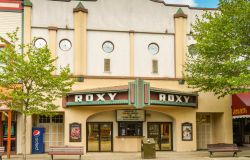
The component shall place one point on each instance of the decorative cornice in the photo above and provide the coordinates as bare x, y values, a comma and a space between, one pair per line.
80, 8
180, 104
115, 102
27, 3
126, 77
182, 5
180, 13
123, 88
52, 28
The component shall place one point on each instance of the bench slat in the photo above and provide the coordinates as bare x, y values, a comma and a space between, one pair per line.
223, 147
66, 150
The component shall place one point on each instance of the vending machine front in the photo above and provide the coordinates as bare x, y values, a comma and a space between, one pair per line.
37, 140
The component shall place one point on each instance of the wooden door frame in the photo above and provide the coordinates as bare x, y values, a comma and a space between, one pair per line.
99, 140
159, 131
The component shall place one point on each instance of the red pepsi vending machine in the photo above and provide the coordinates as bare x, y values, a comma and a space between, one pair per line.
37, 140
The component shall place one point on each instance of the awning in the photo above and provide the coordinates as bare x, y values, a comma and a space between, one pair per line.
3, 107
241, 105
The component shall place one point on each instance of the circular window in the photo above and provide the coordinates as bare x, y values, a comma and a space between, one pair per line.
65, 44
108, 47
40, 43
153, 48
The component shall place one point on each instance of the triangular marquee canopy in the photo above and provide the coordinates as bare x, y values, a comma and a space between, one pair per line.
138, 94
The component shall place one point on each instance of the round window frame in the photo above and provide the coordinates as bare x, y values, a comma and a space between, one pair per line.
66, 40
40, 39
154, 43
112, 45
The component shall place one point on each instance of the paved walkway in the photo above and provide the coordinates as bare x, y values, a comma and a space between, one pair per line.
198, 155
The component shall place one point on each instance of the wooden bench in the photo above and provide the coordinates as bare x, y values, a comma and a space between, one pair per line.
222, 147
1, 152
66, 150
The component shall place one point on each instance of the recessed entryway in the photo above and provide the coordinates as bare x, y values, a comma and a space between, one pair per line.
162, 134
99, 136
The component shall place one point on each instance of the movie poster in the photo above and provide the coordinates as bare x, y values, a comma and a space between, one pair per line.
187, 132
75, 132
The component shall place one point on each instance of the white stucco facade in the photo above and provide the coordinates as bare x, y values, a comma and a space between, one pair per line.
106, 16
119, 58
165, 56
130, 25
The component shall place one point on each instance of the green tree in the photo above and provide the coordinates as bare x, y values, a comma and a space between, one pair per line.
220, 60
26, 72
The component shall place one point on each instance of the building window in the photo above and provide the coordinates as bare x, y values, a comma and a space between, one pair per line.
49, 119
108, 47
154, 66
65, 45
106, 65
57, 119
130, 128
44, 119
153, 48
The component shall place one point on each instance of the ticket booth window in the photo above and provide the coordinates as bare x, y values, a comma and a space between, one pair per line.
130, 129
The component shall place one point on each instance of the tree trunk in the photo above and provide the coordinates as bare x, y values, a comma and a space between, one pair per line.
24, 137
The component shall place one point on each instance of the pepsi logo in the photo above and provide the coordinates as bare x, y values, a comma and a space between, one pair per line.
36, 133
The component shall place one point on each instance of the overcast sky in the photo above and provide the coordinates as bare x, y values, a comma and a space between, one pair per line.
195, 3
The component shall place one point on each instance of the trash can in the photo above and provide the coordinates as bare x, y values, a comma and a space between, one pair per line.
148, 148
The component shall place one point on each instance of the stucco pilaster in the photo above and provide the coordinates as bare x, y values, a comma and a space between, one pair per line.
80, 40
52, 42
27, 21
180, 20
131, 41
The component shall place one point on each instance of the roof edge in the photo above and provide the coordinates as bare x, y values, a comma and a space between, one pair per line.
183, 5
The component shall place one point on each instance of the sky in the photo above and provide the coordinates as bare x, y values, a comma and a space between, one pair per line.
195, 3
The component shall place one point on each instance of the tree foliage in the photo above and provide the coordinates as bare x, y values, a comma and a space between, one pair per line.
27, 76
220, 60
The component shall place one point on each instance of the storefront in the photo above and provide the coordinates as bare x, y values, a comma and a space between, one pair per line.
8, 129
126, 114
53, 129
241, 118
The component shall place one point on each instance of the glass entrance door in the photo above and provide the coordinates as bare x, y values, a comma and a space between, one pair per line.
99, 137
162, 134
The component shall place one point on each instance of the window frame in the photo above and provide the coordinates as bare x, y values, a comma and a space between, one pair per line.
138, 125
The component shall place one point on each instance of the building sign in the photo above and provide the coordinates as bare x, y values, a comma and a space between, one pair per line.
138, 94
241, 111
130, 115
175, 99
99, 97
10, 5
105, 98
75, 132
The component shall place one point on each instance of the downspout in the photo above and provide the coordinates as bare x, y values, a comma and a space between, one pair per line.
22, 30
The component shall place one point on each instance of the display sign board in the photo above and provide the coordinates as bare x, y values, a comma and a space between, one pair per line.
75, 132
37, 140
175, 99
105, 98
130, 115
187, 131
138, 94
10, 5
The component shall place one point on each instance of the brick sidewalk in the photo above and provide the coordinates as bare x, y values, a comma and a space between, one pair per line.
198, 155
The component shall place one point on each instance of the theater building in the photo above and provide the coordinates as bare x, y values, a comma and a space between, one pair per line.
127, 57
10, 19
